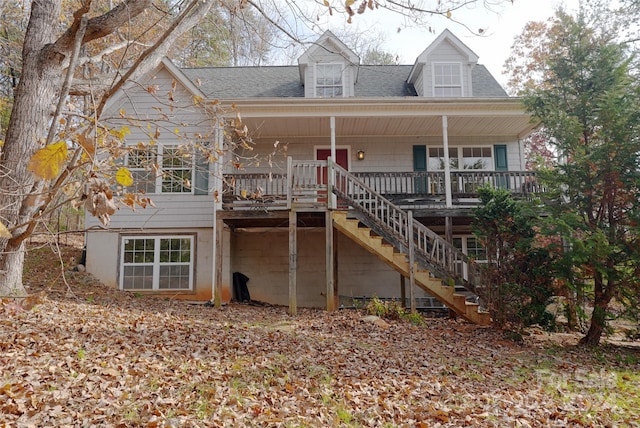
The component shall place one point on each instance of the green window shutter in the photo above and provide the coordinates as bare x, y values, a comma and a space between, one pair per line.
500, 155
419, 158
420, 185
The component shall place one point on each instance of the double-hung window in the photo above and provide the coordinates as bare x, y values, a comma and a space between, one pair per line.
460, 158
143, 166
329, 81
166, 169
447, 79
157, 263
435, 161
476, 157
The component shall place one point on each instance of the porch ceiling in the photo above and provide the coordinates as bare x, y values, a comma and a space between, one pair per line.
297, 119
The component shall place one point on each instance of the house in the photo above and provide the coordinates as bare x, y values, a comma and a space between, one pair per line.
360, 181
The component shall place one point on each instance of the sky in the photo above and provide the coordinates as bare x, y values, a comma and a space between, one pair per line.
501, 26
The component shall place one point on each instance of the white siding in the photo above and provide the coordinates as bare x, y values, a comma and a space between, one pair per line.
327, 56
383, 154
446, 52
419, 83
159, 120
175, 210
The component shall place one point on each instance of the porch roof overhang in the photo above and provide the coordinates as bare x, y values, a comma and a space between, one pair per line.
281, 118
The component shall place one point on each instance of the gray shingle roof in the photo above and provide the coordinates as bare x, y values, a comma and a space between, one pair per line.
284, 82
247, 82
484, 84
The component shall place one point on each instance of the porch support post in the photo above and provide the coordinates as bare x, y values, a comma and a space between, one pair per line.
293, 262
218, 238
447, 166
448, 229
289, 182
329, 260
412, 260
217, 224
333, 201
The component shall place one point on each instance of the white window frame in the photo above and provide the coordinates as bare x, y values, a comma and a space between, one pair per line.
481, 150
160, 170
335, 85
439, 88
456, 162
464, 247
156, 264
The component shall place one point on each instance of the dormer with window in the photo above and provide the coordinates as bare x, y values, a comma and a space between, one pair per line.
328, 69
444, 69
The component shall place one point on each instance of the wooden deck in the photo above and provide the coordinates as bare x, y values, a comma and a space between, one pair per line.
304, 187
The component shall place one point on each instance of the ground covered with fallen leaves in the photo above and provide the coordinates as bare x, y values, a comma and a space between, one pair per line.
86, 355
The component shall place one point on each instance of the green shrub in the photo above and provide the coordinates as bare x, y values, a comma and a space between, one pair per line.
392, 310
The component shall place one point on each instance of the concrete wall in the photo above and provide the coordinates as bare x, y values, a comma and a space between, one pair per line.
264, 258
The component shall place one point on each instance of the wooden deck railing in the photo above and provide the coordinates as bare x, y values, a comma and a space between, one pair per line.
399, 228
305, 182
463, 183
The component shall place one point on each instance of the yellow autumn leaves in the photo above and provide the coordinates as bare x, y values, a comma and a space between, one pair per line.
47, 163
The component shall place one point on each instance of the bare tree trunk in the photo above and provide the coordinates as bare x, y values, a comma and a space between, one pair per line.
34, 98
44, 59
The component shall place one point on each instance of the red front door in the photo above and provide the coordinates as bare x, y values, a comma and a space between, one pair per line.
342, 159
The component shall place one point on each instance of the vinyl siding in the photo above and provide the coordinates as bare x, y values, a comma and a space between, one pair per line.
164, 118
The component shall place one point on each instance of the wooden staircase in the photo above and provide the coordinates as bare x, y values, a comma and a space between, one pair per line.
398, 238
353, 228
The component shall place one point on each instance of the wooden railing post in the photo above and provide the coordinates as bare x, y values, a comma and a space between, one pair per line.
331, 182
412, 260
289, 181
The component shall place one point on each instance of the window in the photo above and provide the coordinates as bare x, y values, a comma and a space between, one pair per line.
142, 164
165, 170
476, 157
470, 246
436, 158
468, 157
177, 170
447, 80
157, 263
329, 80
475, 250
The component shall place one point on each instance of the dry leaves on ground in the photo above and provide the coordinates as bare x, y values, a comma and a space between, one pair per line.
99, 357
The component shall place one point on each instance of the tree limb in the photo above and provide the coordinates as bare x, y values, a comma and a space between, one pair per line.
195, 10
102, 25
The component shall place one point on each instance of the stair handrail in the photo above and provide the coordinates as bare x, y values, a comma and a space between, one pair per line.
437, 253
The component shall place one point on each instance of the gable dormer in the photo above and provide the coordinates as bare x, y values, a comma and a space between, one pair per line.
328, 68
444, 69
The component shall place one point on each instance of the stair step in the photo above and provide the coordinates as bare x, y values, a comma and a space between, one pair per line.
376, 244
460, 301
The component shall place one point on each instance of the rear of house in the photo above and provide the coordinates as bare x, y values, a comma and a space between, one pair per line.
420, 137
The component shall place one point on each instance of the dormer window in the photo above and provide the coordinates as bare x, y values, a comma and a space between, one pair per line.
329, 81
447, 79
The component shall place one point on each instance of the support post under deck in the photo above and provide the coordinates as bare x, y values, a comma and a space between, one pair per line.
293, 262
329, 259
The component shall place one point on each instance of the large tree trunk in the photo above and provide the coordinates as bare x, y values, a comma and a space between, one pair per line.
603, 296
34, 98
44, 59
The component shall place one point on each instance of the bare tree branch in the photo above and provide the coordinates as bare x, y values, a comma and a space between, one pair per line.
151, 57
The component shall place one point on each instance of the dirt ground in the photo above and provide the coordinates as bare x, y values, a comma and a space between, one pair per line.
87, 355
